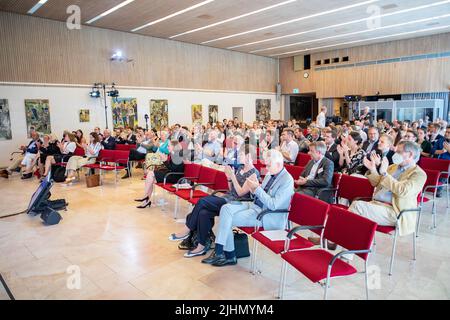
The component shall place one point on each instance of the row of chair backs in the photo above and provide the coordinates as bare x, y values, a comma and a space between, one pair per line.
294, 171
116, 156
213, 179
435, 164
125, 147
342, 227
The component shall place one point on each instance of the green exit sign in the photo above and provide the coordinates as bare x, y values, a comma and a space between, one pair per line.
296, 91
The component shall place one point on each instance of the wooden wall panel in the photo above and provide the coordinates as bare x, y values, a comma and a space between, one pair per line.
43, 51
430, 75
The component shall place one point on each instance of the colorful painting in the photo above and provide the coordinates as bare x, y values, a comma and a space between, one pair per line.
5, 121
38, 116
124, 112
197, 114
159, 114
213, 114
85, 115
263, 109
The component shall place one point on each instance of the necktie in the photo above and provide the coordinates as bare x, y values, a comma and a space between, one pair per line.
266, 189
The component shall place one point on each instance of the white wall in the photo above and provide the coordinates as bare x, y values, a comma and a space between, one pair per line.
65, 103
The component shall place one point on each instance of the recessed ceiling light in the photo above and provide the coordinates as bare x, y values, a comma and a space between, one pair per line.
104, 14
234, 18
343, 24
37, 6
294, 20
354, 33
172, 15
362, 40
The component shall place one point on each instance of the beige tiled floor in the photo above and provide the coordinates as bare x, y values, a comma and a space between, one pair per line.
123, 253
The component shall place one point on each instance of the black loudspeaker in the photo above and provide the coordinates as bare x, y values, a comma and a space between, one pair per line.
307, 62
50, 217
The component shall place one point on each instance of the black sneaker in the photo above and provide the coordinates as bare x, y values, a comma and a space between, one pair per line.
27, 176
213, 258
187, 244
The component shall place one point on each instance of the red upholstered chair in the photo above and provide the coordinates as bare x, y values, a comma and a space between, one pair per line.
351, 231
125, 147
307, 213
354, 188
112, 160
206, 178
191, 172
79, 152
294, 171
443, 166
302, 159
430, 187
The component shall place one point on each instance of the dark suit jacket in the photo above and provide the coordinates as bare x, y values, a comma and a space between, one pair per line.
333, 155
324, 175
109, 144
366, 145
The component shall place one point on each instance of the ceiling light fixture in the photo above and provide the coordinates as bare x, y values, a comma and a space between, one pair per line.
37, 6
172, 15
354, 33
294, 20
343, 24
362, 40
104, 14
233, 19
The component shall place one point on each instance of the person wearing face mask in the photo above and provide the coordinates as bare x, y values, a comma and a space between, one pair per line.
396, 188
318, 173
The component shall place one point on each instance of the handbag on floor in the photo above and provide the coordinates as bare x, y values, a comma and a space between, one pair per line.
241, 245
92, 180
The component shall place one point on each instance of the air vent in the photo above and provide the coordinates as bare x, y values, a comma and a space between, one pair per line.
389, 6
326, 61
336, 60
205, 17
345, 59
318, 62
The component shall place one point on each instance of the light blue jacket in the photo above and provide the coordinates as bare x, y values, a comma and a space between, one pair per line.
277, 198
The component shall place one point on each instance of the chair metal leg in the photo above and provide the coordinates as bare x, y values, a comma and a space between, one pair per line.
414, 246
254, 261
284, 268
393, 252
419, 215
175, 213
447, 195
367, 280
327, 284
433, 211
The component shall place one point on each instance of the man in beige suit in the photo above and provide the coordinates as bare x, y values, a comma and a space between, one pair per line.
397, 187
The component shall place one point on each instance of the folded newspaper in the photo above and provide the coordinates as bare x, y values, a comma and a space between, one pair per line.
275, 235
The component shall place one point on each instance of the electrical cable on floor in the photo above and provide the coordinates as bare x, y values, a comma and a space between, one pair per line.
14, 214
8, 292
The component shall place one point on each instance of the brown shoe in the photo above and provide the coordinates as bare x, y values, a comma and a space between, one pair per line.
315, 240
332, 246
4, 174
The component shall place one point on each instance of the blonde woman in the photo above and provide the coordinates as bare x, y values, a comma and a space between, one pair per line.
91, 153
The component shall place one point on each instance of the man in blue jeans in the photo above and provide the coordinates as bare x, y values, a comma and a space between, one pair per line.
274, 194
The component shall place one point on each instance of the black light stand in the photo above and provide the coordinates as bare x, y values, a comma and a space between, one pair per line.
146, 121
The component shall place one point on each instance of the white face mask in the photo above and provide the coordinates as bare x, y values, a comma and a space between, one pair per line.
397, 159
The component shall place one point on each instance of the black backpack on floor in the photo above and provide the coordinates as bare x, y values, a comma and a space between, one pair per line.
50, 217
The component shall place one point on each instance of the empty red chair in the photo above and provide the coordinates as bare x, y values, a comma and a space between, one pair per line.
191, 172
294, 171
302, 159
125, 147
308, 213
352, 188
443, 166
351, 231
112, 160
